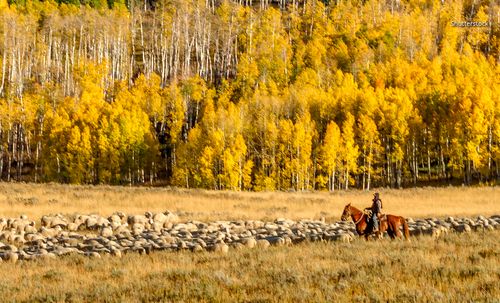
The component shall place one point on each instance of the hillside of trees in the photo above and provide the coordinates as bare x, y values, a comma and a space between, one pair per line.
250, 95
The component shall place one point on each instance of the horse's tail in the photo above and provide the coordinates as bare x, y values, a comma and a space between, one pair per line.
405, 229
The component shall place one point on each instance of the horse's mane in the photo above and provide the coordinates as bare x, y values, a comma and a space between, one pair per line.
354, 209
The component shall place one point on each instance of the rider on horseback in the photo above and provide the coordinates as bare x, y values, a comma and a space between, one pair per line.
376, 208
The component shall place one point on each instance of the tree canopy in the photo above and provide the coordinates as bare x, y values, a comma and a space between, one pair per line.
250, 95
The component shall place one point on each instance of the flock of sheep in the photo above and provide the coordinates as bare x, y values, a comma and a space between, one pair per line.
94, 235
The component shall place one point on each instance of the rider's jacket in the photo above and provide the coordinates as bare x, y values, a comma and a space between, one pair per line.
377, 205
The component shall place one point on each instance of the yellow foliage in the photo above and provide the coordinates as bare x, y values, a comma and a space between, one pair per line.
321, 95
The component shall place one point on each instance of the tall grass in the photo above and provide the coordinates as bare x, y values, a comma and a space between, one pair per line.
457, 268
36, 200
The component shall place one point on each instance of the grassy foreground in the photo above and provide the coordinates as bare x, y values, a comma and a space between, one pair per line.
36, 200
458, 268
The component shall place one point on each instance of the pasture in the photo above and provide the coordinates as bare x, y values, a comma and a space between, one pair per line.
456, 267
36, 200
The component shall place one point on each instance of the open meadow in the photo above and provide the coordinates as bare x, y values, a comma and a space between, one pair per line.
452, 268
36, 200
458, 268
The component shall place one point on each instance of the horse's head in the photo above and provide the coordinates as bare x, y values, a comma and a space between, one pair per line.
346, 213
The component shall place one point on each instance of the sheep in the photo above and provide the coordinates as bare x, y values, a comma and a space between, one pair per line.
118, 233
166, 218
117, 217
116, 220
220, 247
18, 239
80, 219
19, 223
145, 220
93, 222
157, 226
3, 223
102, 222
6, 235
53, 221
10, 256
72, 226
122, 230
50, 232
106, 232
137, 228
30, 228
33, 237
249, 242
116, 252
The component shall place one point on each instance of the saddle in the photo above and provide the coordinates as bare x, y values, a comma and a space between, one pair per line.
368, 215
381, 217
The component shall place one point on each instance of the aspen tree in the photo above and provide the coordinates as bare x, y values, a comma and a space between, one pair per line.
350, 150
330, 153
369, 136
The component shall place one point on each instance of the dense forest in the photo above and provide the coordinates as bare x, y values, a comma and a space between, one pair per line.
250, 95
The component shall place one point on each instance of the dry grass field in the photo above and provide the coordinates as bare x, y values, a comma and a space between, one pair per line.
454, 268
458, 268
36, 200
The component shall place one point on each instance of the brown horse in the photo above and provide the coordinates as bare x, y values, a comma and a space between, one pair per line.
389, 223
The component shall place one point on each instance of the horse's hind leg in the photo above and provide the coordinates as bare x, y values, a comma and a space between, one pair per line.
397, 231
390, 232
393, 231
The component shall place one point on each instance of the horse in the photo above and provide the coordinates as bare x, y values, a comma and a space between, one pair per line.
389, 223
